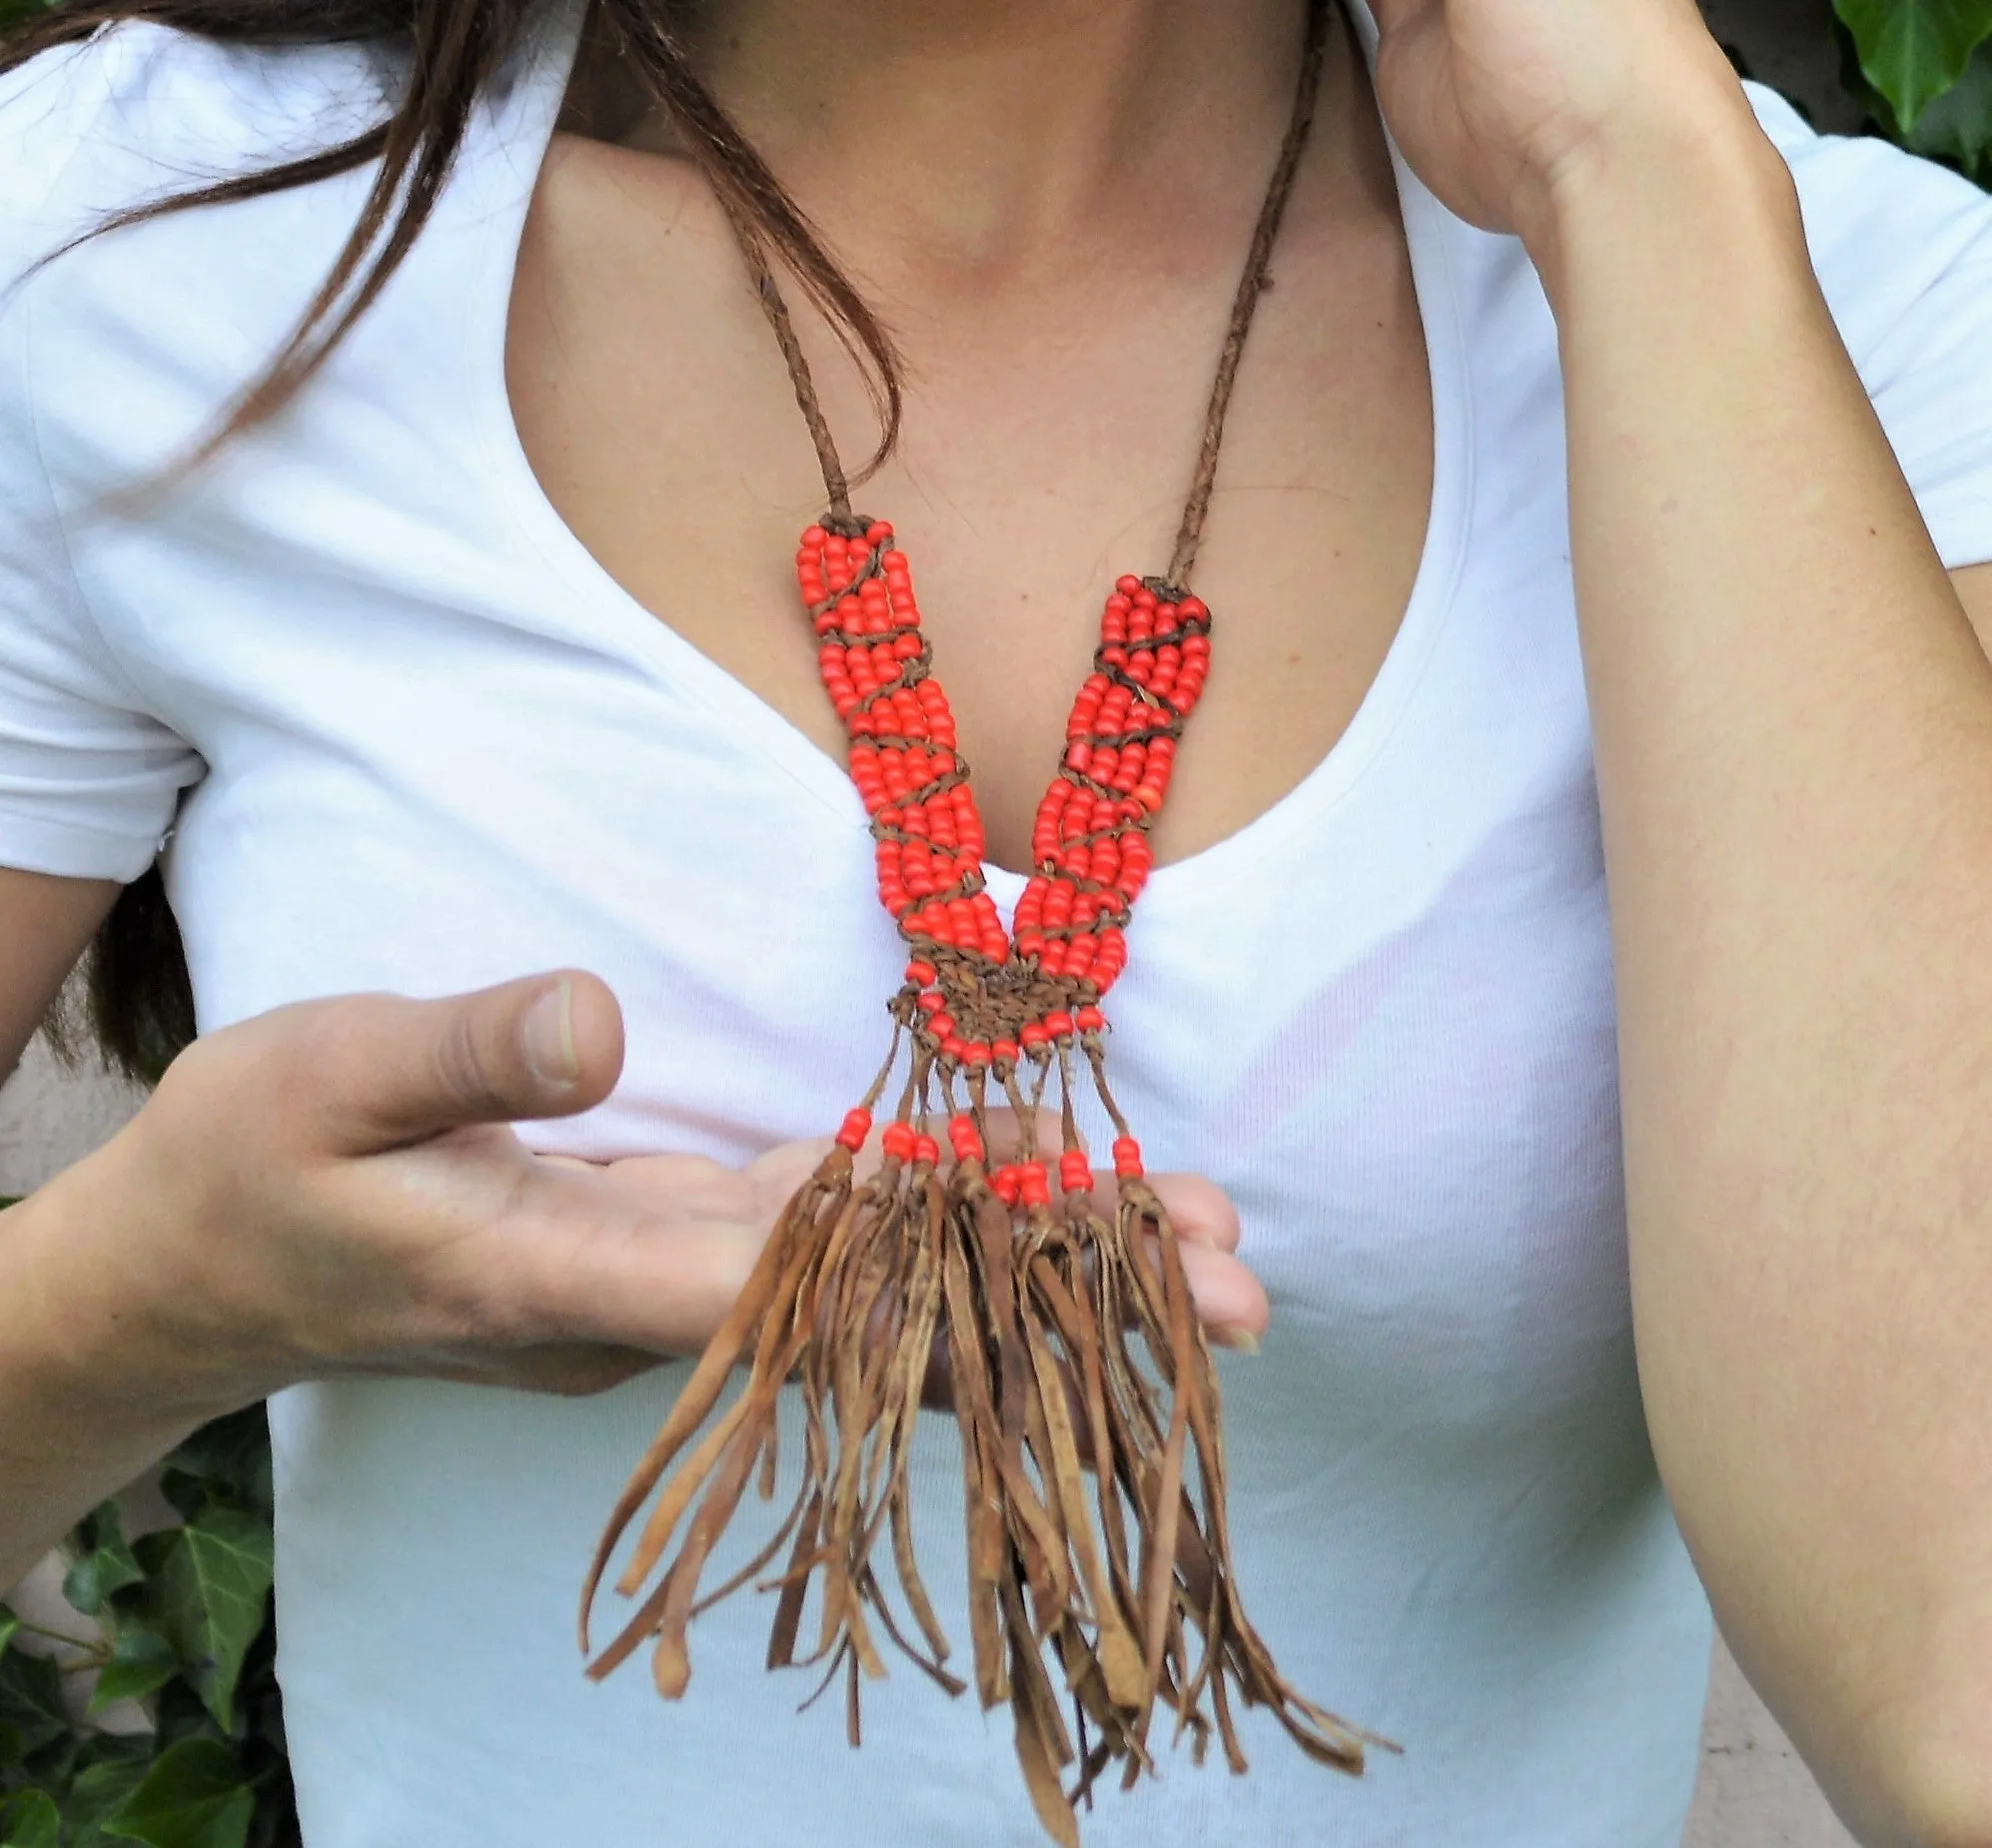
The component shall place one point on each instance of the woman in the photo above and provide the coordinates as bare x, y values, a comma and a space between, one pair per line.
475, 657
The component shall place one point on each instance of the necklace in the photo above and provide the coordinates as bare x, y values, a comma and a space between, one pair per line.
1094, 1483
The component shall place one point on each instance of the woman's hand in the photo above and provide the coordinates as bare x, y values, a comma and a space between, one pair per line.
1500, 105
332, 1189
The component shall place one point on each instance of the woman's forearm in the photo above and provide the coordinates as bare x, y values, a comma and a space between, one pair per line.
87, 1398
1794, 728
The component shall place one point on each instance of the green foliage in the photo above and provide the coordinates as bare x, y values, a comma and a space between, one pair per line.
1914, 51
179, 1620
193, 1796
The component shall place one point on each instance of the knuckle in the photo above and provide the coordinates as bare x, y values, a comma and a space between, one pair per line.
461, 1061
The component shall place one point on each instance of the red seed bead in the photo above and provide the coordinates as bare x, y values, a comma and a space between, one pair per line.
857, 1126
1033, 1036
1075, 1172
1034, 1184
965, 1139
922, 974
1059, 1024
1006, 1052
927, 1149
898, 1140
940, 1024
1090, 1020
1127, 1158
1007, 1182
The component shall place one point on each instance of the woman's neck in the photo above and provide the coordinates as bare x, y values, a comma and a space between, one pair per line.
982, 140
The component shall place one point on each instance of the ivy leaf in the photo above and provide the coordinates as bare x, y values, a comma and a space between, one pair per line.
31, 1820
98, 1790
212, 1590
227, 1460
105, 1565
1912, 51
1958, 124
177, 1714
31, 1702
142, 1662
194, 1796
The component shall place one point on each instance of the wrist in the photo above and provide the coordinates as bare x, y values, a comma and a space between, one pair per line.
105, 1332
1655, 187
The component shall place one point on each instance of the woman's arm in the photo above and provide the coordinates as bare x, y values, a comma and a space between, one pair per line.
1794, 726
1794, 748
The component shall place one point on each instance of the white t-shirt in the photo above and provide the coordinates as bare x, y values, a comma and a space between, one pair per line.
426, 742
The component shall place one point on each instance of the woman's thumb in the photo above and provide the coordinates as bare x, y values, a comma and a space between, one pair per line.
545, 1046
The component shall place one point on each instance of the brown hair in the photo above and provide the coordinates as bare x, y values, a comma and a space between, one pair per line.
138, 1003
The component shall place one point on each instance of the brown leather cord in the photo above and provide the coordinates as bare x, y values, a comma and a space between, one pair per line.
1252, 284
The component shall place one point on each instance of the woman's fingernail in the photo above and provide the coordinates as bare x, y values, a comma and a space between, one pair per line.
1238, 1341
549, 1036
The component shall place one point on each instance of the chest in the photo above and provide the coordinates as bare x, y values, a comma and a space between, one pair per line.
1049, 440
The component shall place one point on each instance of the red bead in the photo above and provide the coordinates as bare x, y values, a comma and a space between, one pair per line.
1075, 1172
922, 974
1033, 1036
1006, 1052
1090, 1020
1127, 1158
898, 1140
1034, 1184
857, 1126
1059, 1025
927, 1149
1007, 1182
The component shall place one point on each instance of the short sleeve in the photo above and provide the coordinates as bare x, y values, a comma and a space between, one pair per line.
1903, 252
89, 779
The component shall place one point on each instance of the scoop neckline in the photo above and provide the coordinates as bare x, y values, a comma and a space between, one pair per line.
519, 124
